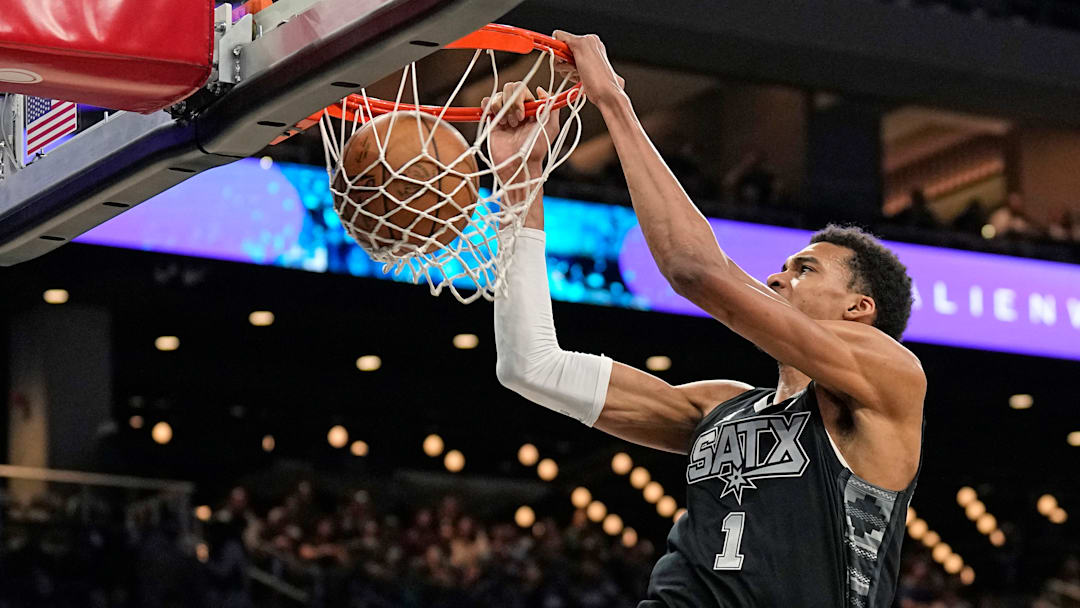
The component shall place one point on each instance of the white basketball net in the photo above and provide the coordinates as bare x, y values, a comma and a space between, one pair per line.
475, 263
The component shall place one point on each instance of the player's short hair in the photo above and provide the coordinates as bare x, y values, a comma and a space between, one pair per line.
876, 272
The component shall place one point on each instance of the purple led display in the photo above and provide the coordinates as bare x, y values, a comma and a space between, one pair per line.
962, 298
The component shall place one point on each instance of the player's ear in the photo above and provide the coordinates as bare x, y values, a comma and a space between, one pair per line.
860, 308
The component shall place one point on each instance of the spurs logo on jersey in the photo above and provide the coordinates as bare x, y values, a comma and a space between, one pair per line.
743, 450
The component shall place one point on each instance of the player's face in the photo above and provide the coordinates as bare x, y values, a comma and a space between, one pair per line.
815, 280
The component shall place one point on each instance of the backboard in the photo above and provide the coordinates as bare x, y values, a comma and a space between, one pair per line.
301, 56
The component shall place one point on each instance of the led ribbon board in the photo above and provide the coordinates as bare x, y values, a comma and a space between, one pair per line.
282, 215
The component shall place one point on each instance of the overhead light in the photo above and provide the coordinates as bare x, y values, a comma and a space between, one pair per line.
621, 463
629, 537
203, 512
931, 538
653, 492
337, 436
136, 421
678, 514
202, 552
997, 538
953, 563
940, 552
524, 516
368, 363
268, 443
658, 363
1021, 402
1074, 439
161, 433
547, 469
433, 445
1058, 516
1046, 504
666, 506
967, 575
988, 231
261, 318
528, 454
454, 461
639, 477
167, 343
596, 511
55, 296
265, 163
975, 510
466, 341
580, 497
917, 528
612, 524
965, 496
986, 523
359, 448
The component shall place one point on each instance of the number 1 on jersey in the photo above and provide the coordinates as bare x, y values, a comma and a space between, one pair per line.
731, 559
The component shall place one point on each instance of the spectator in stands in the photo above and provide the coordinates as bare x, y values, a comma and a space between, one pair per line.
1011, 221
917, 214
752, 182
227, 566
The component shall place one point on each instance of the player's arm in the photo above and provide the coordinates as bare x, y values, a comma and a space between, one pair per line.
613, 397
853, 360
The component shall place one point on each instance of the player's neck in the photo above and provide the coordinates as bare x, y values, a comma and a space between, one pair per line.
791, 381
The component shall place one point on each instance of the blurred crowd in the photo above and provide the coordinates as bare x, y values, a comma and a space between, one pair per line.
312, 549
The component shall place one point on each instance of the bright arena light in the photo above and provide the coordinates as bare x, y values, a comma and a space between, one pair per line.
917, 528
653, 492
454, 461
997, 538
337, 436
261, 318
621, 463
547, 469
965, 496
666, 506
1021, 402
1046, 505
639, 477
167, 343
161, 433
580, 497
466, 341
988, 231
986, 524
975, 510
55, 296
930, 539
1058, 516
629, 537
1073, 439
528, 454
203, 512
679, 514
953, 563
433, 445
967, 575
596, 511
359, 448
265, 163
202, 552
524, 516
268, 443
612, 524
368, 363
658, 363
941, 552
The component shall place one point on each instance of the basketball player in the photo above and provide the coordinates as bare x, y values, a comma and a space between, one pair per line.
797, 496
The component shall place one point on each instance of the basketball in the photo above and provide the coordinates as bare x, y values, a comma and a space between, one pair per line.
413, 178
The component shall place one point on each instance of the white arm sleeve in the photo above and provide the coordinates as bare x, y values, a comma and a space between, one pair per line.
530, 361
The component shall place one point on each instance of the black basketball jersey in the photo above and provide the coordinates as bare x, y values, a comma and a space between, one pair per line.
774, 519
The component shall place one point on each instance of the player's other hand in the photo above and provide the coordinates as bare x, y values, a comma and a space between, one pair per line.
510, 136
602, 85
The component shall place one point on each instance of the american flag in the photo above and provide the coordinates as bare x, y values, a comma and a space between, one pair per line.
46, 121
